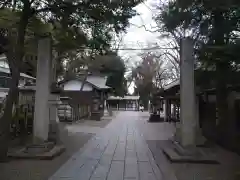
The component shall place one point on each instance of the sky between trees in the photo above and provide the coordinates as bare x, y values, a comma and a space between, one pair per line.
138, 36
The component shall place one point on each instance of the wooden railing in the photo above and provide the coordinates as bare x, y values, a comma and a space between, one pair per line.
68, 113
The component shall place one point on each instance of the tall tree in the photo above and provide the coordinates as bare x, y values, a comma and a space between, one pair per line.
216, 28
81, 15
173, 28
148, 76
109, 64
115, 68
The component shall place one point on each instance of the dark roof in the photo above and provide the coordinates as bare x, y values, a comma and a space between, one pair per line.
98, 82
7, 71
124, 98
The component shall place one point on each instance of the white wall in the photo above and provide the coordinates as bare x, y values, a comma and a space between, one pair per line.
75, 85
3, 61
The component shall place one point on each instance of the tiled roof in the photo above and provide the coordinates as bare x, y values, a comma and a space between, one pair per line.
98, 81
172, 84
7, 71
124, 98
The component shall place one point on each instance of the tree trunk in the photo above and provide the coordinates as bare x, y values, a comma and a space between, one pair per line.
14, 59
221, 102
84, 81
221, 77
5, 121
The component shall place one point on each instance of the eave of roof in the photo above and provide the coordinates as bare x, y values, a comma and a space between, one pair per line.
7, 71
172, 84
88, 81
124, 98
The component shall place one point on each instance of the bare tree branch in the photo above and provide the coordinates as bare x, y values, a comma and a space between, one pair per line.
176, 60
146, 29
32, 1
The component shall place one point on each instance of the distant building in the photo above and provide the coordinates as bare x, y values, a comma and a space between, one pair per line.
206, 111
5, 77
92, 97
123, 103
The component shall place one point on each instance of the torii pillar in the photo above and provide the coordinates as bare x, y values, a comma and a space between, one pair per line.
187, 95
44, 111
187, 133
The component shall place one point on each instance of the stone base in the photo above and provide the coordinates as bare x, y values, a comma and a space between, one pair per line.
106, 118
179, 154
105, 113
46, 151
96, 116
110, 112
155, 118
206, 144
200, 139
53, 134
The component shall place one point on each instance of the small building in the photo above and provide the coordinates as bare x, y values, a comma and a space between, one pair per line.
5, 78
90, 100
123, 103
168, 100
206, 110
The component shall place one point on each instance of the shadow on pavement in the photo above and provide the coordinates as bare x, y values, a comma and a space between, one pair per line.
43, 169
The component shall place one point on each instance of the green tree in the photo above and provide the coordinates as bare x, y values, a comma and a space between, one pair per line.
148, 76
80, 15
115, 68
215, 25
108, 63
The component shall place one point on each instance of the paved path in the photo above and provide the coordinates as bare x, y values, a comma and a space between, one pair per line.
118, 152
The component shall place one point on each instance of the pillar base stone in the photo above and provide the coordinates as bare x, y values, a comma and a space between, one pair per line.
177, 135
105, 113
200, 139
177, 153
190, 154
45, 151
53, 134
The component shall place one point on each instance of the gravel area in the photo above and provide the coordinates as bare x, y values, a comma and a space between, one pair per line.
43, 169
92, 123
73, 136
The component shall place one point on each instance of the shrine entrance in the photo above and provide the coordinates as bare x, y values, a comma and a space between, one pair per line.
126, 103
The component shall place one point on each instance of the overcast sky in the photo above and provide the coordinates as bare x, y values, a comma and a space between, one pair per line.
136, 36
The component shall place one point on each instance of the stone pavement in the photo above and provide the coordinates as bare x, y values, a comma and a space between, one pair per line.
117, 152
157, 135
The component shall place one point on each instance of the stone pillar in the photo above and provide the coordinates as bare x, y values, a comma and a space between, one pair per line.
187, 94
200, 139
43, 83
169, 115
137, 105
105, 108
149, 106
125, 105
165, 109
232, 118
174, 110
197, 112
53, 134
